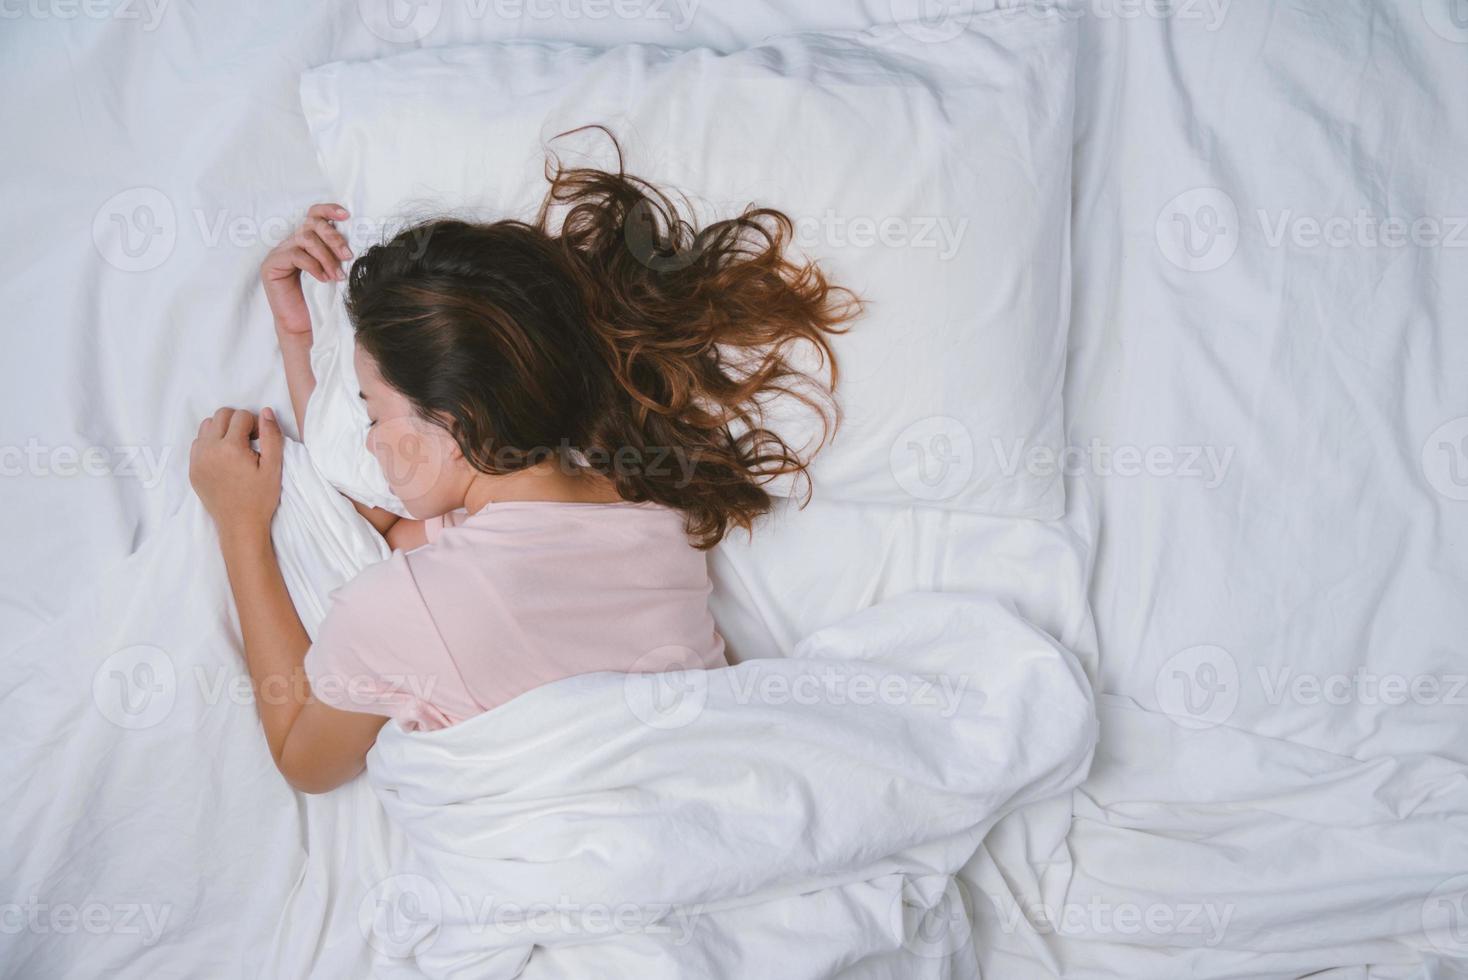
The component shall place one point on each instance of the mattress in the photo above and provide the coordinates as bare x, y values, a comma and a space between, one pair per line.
1263, 564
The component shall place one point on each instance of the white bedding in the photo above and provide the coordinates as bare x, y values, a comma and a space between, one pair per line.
1324, 376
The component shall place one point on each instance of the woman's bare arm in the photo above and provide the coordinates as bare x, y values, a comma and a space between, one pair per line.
300, 380
405, 535
315, 747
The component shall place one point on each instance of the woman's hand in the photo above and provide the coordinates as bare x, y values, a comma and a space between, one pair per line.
315, 247
239, 487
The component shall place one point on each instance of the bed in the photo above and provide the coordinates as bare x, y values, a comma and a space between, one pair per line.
1261, 564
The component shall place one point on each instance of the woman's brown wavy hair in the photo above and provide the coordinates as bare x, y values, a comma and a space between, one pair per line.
625, 339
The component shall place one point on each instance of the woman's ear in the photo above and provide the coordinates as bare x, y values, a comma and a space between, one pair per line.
446, 422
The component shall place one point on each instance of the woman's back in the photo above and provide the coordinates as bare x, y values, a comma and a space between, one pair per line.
518, 595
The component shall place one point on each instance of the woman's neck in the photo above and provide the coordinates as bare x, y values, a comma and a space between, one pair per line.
542, 482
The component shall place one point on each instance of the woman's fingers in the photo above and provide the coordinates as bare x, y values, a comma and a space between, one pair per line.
213, 427
241, 423
334, 239
319, 219
329, 211
309, 241
316, 248
272, 443
307, 262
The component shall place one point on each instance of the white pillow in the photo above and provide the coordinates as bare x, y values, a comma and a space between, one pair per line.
932, 176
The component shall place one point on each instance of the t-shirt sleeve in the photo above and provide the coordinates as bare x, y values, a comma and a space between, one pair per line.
433, 527
377, 651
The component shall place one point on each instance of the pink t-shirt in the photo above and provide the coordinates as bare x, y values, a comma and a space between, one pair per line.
518, 595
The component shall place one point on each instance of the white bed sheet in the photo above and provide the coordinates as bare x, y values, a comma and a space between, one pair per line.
1326, 373
1316, 799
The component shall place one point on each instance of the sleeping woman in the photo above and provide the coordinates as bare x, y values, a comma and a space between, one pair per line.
570, 417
